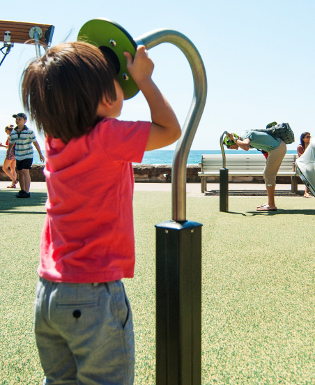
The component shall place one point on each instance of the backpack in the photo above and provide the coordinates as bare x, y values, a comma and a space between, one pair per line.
282, 131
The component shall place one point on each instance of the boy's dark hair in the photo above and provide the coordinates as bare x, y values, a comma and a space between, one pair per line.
62, 89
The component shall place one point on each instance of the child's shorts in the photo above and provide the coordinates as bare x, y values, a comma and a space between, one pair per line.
84, 333
24, 164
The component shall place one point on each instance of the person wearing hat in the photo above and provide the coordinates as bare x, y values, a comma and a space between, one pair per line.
23, 138
274, 147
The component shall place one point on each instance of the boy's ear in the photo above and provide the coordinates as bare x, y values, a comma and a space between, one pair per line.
104, 107
106, 103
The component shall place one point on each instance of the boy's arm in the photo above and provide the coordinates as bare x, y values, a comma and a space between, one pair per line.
41, 157
165, 128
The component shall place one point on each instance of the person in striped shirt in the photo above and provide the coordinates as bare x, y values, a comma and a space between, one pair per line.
23, 138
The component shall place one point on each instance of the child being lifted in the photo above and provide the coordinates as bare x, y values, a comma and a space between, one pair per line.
83, 321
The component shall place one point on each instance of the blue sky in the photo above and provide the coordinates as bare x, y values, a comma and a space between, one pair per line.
258, 55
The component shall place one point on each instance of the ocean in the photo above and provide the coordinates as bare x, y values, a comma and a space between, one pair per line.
162, 156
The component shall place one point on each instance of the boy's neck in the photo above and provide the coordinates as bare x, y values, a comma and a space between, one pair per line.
20, 128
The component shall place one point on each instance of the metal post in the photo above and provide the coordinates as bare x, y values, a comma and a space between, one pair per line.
178, 303
178, 246
224, 180
150, 40
224, 189
36, 33
37, 46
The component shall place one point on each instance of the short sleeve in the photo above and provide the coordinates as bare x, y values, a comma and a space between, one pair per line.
33, 137
123, 141
246, 135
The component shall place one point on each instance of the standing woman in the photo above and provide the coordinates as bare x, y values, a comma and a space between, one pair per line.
305, 141
9, 161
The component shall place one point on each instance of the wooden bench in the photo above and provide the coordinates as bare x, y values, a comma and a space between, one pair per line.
245, 165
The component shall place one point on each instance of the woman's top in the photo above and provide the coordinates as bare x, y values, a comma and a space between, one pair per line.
261, 140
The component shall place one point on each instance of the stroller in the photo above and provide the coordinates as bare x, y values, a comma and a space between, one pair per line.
305, 166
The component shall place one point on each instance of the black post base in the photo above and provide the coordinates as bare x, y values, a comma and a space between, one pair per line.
224, 189
178, 303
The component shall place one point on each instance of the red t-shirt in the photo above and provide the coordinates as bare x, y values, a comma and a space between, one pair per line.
88, 233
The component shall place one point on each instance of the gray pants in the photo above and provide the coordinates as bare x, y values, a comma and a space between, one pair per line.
84, 333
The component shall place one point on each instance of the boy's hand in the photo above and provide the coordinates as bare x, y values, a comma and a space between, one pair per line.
165, 128
141, 67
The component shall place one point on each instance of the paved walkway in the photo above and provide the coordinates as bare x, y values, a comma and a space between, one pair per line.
194, 189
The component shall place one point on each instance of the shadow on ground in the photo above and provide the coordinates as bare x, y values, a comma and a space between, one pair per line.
282, 193
9, 203
283, 211
279, 211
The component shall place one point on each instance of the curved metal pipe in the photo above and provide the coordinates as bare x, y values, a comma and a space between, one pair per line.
222, 149
150, 40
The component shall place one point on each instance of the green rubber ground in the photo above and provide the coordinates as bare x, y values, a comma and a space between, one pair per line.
258, 288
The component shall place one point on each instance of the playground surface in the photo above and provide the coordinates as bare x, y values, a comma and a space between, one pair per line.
193, 189
258, 288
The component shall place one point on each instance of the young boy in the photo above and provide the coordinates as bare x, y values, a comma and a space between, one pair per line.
23, 138
83, 321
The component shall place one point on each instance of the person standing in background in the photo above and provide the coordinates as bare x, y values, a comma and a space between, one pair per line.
23, 138
304, 142
9, 161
